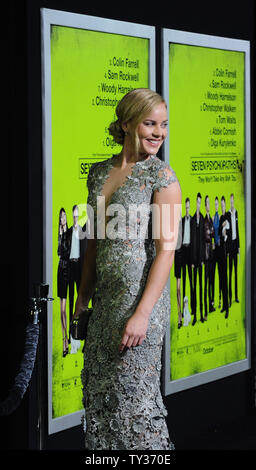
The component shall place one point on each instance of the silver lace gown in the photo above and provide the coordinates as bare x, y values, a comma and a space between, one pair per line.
123, 404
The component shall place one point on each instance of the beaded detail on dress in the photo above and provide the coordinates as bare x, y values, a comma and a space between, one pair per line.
124, 409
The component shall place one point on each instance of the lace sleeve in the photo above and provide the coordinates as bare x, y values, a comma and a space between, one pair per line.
164, 176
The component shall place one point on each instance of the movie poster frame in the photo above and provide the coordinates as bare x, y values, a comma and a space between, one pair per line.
74, 20
196, 39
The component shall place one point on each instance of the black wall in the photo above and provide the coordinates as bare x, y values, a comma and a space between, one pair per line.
191, 413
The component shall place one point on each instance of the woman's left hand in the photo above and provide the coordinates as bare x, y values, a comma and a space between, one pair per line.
135, 331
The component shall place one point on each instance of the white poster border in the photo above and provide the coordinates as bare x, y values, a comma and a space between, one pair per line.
182, 37
62, 18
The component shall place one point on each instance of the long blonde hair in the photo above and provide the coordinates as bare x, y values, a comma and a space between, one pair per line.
134, 106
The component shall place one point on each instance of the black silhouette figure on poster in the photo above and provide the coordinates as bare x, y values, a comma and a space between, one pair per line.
234, 250
224, 232
208, 265
78, 245
178, 261
216, 253
197, 257
63, 274
186, 252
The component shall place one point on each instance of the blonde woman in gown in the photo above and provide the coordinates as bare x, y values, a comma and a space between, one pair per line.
128, 277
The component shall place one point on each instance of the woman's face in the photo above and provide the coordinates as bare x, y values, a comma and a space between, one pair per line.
63, 218
152, 131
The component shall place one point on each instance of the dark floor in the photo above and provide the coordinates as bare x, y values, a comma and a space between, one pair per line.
237, 435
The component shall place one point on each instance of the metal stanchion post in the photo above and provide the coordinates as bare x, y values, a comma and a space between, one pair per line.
38, 317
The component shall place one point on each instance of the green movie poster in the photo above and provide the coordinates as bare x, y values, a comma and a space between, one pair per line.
90, 72
207, 151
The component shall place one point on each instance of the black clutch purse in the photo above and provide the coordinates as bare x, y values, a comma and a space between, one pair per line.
79, 325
